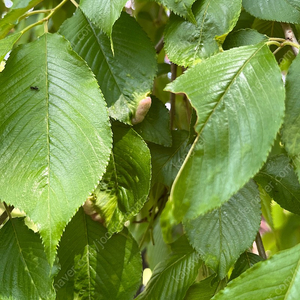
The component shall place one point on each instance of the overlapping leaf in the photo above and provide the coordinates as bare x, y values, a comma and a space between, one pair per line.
172, 277
54, 134
295, 3
278, 179
239, 99
182, 8
24, 270
103, 13
275, 278
125, 185
7, 43
222, 235
166, 161
273, 10
126, 76
156, 126
17, 10
188, 43
291, 133
96, 265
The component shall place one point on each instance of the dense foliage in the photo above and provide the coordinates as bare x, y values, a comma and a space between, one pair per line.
149, 149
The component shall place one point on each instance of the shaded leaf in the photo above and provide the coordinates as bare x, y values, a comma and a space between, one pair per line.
275, 278
24, 270
243, 37
54, 134
103, 13
187, 43
221, 235
95, 264
230, 148
278, 179
245, 262
126, 76
273, 10
204, 290
290, 132
125, 185
166, 161
171, 278
156, 126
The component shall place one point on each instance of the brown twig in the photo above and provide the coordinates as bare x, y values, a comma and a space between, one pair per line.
260, 246
8, 210
290, 36
159, 46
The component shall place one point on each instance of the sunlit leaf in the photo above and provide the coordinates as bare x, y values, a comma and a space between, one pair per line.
54, 134
239, 98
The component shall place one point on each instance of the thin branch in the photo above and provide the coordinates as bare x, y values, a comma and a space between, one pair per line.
290, 36
8, 210
260, 247
159, 46
172, 96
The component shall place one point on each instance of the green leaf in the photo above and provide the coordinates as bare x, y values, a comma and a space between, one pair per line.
54, 134
166, 161
275, 278
19, 8
171, 278
295, 3
230, 148
182, 8
156, 126
273, 10
187, 43
24, 270
243, 37
7, 43
125, 185
278, 179
126, 76
221, 235
204, 290
103, 13
290, 132
245, 262
96, 265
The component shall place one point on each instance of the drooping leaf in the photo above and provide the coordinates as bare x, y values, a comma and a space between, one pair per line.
182, 8
204, 290
54, 134
245, 261
172, 278
156, 126
7, 43
290, 132
273, 10
231, 147
187, 43
17, 10
24, 270
126, 76
103, 13
125, 185
275, 278
96, 265
278, 179
166, 161
243, 37
221, 235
